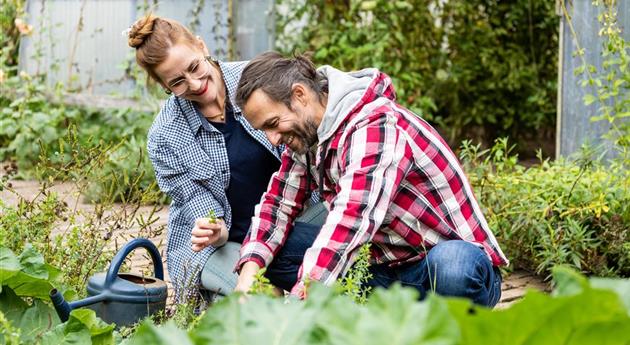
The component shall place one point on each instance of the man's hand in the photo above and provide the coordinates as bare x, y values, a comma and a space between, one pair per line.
246, 277
208, 232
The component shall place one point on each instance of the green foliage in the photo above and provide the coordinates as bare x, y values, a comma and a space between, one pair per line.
166, 334
353, 283
262, 285
32, 223
183, 315
502, 65
556, 212
28, 321
587, 314
25, 282
65, 232
27, 274
36, 126
83, 327
461, 64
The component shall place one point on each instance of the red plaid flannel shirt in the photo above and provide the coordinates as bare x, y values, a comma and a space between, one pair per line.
390, 179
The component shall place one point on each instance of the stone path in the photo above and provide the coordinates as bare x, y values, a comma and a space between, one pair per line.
513, 288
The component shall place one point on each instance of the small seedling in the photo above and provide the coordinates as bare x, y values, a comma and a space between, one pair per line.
211, 216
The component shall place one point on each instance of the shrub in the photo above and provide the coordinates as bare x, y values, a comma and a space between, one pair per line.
66, 234
461, 64
562, 212
37, 128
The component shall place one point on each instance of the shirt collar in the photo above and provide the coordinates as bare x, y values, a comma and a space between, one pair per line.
231, 79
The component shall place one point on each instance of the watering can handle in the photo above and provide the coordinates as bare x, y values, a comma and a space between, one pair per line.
158, 269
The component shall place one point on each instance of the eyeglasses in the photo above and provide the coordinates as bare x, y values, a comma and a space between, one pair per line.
197, 70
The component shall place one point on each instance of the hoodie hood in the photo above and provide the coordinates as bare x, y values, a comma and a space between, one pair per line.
349, 92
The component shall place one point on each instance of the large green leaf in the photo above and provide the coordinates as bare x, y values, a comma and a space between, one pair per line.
620, 286
9, 265
391, 316
569, 282
83, 327
539, 318
33, 320
27, 274
574, 308
260, 320
167, 334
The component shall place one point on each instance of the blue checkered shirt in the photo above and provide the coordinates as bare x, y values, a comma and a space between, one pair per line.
191, 166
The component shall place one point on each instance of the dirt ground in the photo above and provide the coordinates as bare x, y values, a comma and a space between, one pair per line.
514, 285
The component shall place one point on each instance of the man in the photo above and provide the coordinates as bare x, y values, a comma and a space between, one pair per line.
385, 175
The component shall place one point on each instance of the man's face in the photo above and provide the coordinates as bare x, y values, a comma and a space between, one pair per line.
294, 127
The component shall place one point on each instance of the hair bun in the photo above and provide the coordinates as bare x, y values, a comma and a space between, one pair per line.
140, 30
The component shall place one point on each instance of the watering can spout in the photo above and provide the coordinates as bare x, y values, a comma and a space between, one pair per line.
64, 308
61, 306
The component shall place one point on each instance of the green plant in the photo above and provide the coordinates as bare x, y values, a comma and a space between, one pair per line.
66, 233
479, 69
573, 212
262, 285
10, 32
580, 312
25, 282
353, 284
36, 127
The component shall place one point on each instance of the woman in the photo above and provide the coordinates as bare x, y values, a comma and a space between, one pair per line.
206, 156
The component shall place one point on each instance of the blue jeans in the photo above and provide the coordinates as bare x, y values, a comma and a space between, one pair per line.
451, 268
283, 270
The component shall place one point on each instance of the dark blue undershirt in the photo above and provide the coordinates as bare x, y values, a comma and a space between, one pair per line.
251, 167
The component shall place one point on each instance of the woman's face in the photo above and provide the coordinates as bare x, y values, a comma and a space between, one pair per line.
189, 75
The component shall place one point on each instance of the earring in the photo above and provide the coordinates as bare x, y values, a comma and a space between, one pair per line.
167, 91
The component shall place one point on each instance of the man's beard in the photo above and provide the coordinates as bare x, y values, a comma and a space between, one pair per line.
307, 134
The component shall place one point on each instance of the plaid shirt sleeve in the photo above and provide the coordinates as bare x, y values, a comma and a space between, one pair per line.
373, 161
274, 215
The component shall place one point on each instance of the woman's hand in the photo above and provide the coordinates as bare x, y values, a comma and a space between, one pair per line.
208, 232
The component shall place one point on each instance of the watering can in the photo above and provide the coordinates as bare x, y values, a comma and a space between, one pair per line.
121, 298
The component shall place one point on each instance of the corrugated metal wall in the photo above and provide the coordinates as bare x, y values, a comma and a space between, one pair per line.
92, 58
574, 124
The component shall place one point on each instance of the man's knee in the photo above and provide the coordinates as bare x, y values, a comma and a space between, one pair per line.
457, 268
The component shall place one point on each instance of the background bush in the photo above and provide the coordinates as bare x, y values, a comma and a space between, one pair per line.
37, 129
478, 69
556, 212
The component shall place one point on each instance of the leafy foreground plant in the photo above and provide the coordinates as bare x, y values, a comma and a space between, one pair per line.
25, 318
579, 312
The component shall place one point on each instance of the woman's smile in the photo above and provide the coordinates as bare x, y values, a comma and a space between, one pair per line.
203, 90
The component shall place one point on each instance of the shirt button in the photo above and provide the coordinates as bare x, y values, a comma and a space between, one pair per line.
218, 141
